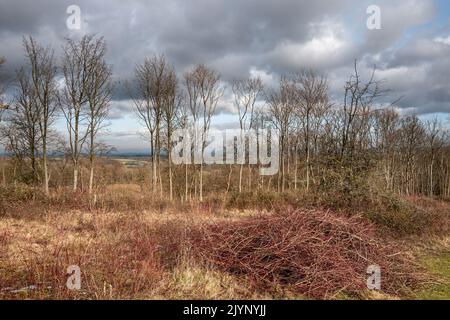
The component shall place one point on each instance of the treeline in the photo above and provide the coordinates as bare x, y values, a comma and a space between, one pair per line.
323, 145
78, 89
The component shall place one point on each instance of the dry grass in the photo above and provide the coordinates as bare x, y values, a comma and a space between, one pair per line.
121, 256
130, 245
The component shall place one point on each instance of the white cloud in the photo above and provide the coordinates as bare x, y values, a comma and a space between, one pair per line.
326, 47
444, 40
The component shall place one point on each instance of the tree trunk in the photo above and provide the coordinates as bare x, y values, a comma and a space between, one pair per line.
91, 177
75, 155
249, 176
169, 143
75, 176
91, 163
44, 158
186, 184
229, 178
431, 191
201, 180
152, 146
240, 177
295, 168
307, 151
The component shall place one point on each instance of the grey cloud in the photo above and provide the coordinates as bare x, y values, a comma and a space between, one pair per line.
396, 18
239, 38
119, 109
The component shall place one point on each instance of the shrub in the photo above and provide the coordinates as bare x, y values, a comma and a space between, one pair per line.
403, 217
312, 252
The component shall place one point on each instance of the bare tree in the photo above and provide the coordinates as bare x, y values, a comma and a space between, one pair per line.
387, 134
98, 93
184, 123
311, 103
29, 121
203, 84
77, 67
43, 72
171, 102
281, 111
412, 137
21, 133
193, 103
150, 78
358, 99
436, 140
246, 93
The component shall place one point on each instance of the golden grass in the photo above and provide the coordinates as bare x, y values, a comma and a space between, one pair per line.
129, 251
118, 253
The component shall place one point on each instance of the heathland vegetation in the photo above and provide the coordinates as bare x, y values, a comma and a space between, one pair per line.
358, 185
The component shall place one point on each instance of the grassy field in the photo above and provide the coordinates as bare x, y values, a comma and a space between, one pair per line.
147, 253
436, 260
114, 263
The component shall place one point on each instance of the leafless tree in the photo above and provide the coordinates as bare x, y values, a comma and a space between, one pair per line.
203, 84
193, 104
246, 93
261, 121
435, 138
386, 130
412, 137
171, 102
358, 99
77, 66
184, 123
29, 120
281, 111
21, 133
99, 91
337, 146
150, 79
42, 78
311, 101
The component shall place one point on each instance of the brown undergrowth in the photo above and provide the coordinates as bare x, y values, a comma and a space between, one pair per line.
315, 253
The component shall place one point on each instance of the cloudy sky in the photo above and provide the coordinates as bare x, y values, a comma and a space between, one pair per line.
240, 38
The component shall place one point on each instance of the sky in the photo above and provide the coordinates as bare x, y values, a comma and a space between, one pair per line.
243, 38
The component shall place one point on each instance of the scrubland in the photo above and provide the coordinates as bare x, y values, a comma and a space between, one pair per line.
355, 185
131, 244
